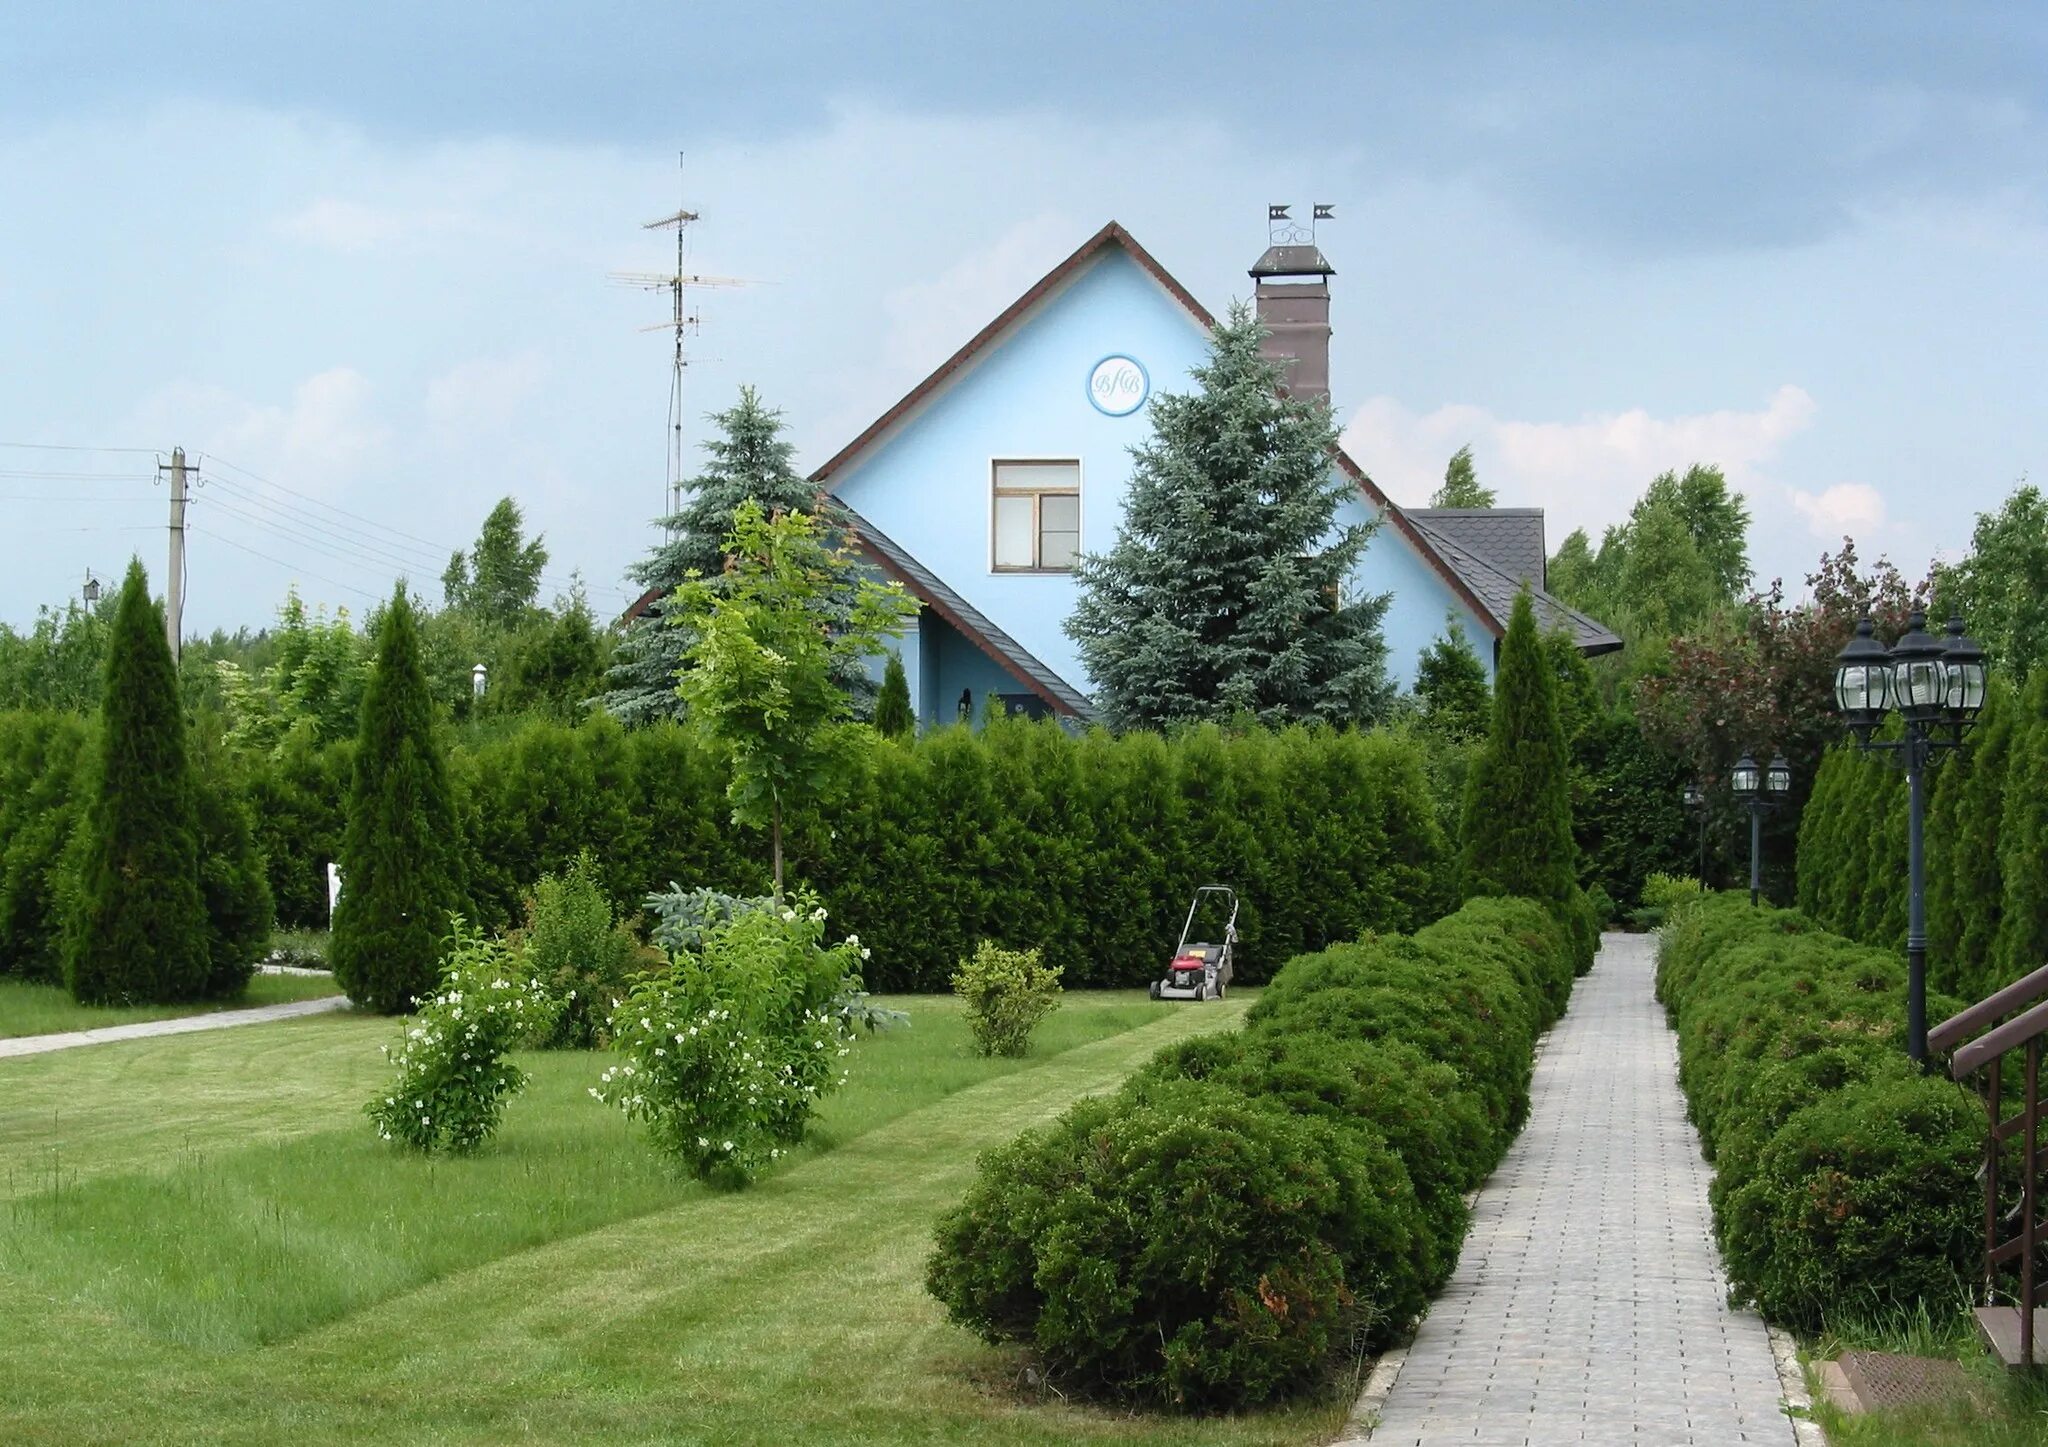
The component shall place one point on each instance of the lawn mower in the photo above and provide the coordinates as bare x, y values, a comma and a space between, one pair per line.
1201, 971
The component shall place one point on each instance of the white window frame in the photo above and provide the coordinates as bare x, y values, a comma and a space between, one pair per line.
1037, 496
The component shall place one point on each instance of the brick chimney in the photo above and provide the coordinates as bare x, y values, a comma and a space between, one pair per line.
1293, 292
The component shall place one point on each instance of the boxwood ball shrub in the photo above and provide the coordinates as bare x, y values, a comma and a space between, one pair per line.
453, 1077
1249, 1207
1005, 994
730, 1048
1844, 1177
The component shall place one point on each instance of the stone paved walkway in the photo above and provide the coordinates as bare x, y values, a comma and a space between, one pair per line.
183, 1025
1589, 1304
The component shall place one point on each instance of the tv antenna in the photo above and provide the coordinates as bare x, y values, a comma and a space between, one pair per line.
683, 322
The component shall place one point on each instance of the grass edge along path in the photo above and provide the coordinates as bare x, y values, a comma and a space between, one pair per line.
31, 1010
794, 1311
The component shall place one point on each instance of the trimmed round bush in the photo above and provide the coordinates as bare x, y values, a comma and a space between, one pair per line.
1185, 1245
1865, 1199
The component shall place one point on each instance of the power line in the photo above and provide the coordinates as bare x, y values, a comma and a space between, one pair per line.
288, 567
68, 447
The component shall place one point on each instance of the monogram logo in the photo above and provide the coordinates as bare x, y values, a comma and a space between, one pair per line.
1118, 386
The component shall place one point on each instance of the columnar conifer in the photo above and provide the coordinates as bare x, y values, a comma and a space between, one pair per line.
1979, 881
137, 929
2023, 840
401, 858
893, 716
1518, 820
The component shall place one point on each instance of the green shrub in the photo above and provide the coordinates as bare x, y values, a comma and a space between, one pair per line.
1865, 1200
1004, 994
728, 1050
240, 912
40, 801
1844, 1177
580, 955
453, 1077
136, 927
1184, 1246
401, 858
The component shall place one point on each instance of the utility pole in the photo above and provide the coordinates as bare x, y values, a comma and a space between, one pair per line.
174, 592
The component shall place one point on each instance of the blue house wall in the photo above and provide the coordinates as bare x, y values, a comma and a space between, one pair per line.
926, 483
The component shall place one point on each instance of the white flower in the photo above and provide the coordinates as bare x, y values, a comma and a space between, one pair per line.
865, 952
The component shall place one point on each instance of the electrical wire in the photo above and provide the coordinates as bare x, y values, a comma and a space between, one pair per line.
280, 562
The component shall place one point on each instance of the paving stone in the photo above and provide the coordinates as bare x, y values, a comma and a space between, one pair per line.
1589, 1303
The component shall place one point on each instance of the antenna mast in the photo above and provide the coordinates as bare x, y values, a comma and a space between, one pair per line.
682, 322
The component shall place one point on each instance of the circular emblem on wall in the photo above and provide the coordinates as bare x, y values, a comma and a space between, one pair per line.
1118, 386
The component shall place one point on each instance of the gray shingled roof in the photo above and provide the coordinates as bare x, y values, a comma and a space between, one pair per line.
932, 590
1511, 538
1495, 585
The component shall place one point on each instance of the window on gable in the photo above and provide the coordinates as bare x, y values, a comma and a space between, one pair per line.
1037, 516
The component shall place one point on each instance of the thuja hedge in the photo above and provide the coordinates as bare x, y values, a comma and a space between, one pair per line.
1085, 847
1844, 1176
1251, 1206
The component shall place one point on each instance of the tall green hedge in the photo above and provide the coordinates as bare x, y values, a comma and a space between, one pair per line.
1251, 1205
2022, 940
1844, 1176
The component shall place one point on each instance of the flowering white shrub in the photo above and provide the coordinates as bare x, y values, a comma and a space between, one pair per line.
452, 1073
728, 1051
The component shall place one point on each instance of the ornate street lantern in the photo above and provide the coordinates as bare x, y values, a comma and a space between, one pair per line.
1964, 662
1744, 779
1778, 778
1863, 681
1919, 676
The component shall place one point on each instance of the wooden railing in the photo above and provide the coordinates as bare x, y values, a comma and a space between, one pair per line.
2009, 1020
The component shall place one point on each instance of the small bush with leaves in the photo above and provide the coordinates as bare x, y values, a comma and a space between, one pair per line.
729, 1049
453, 1076
1006, 993
578, 952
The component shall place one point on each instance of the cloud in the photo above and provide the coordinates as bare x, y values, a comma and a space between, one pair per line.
322, 439
485, 392
928, 320
1848, 509
1583, 473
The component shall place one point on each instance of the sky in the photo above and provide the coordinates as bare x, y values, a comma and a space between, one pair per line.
355, 262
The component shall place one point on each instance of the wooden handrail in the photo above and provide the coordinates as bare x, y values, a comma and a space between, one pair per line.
1968, 1022
2013, 1033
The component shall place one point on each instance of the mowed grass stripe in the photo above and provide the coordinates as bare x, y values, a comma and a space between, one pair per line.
791, 1312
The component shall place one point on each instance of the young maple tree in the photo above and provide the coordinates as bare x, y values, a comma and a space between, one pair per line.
762, 662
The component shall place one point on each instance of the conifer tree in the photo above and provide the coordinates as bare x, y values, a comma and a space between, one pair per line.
750, 461
1979, 881
240, 910
1944, 921
1227, 590
2023, 839
1817, 835
137, 928
1518, 820
401, 856
1450, 684
1461, 484
893, 715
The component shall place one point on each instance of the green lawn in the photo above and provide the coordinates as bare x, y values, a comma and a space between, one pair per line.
2009, 1409
204, 1241
27, 1009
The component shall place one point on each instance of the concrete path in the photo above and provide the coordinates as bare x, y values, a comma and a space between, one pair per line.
1589, 1304
183, 1025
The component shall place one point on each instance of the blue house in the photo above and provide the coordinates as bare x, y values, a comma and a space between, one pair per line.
977, 490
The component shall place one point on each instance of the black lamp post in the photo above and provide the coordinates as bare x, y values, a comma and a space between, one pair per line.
1696, 800
1938, 689
1759, 792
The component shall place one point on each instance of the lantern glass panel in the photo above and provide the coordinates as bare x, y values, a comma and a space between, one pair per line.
1779, 779
1965, 688
1744, 778
1863, 688
1920, 685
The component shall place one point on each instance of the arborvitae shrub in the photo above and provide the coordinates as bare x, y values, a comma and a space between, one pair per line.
401, 860
893, 716
298, 803
239, 910
1979, 880
2022, 943
1817, 835
39, 806
1518, 818
136, 927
